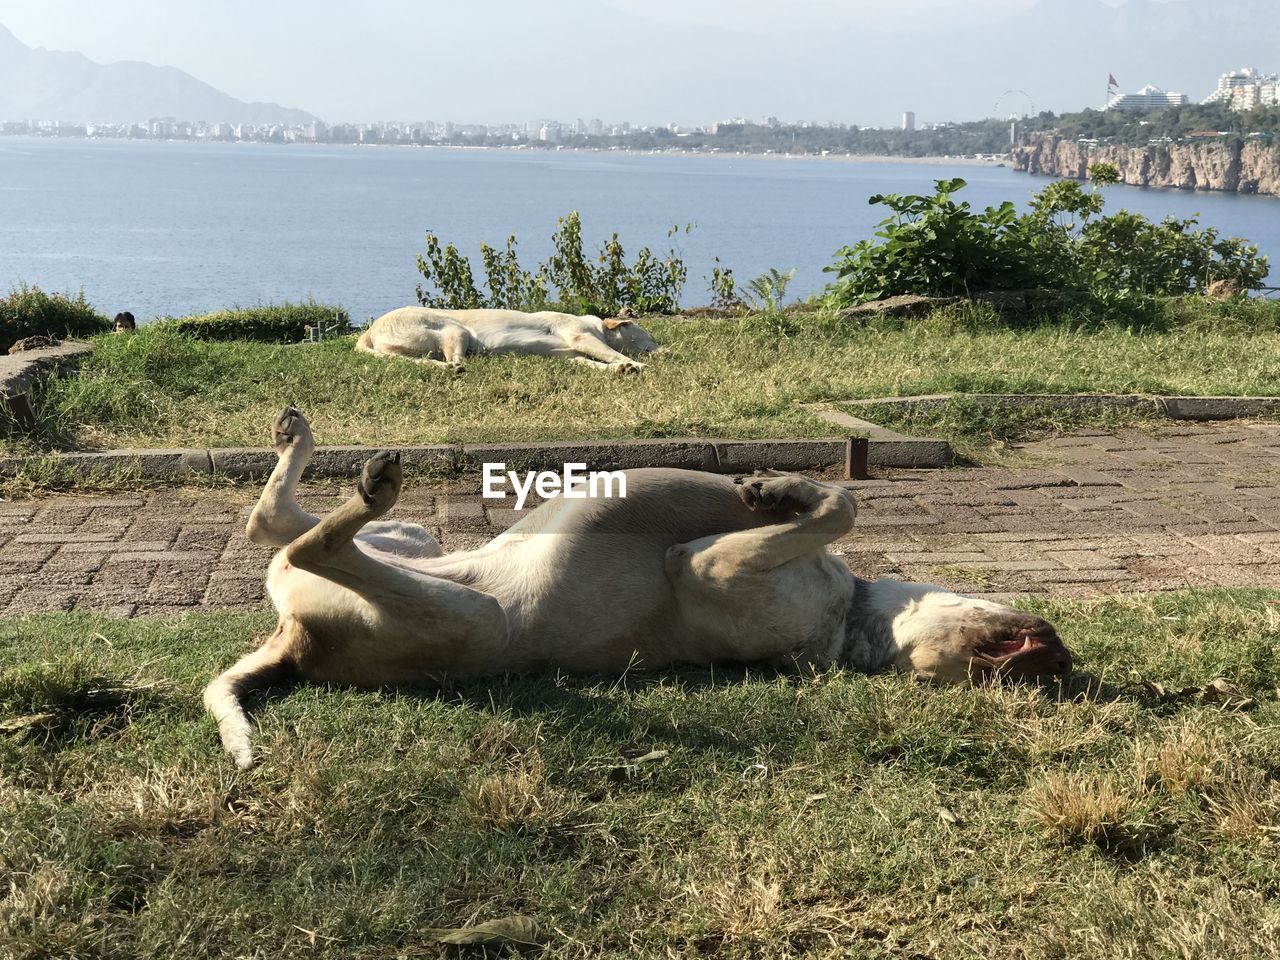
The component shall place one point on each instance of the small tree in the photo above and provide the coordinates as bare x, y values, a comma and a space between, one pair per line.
606, 286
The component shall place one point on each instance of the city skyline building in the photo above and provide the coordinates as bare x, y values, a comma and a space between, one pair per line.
1147, 99
1231, 83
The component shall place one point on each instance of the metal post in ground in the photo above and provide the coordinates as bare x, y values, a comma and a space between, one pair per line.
855, 458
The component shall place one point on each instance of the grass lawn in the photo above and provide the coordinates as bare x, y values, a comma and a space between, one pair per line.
721, 378
686, 815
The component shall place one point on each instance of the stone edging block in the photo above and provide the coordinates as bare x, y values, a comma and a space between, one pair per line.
715, 456
743, 456
1173, 407
19, 371
885, 447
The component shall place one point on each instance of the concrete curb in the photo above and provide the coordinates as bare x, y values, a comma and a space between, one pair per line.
715, 456
887, 448
19, 372
1173, 407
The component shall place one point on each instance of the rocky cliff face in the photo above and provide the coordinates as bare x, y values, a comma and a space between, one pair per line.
1214, 165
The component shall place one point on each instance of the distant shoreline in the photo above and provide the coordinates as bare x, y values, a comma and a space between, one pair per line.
934, 160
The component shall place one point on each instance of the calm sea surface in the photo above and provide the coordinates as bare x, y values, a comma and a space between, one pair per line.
173, 228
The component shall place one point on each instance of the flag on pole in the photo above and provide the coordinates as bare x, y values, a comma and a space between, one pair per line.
1112, 81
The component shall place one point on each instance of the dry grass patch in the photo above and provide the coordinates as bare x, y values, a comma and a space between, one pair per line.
518, 796
743, 906
1186, 759
1091, 808
965, 577
1246, 808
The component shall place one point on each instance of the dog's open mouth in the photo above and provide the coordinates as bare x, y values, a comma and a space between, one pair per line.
1029, 652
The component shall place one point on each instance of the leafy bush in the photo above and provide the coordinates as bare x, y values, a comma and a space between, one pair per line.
29, 311
935, 246
932, 246
1125, 256
606, 286
269, 323
510, 286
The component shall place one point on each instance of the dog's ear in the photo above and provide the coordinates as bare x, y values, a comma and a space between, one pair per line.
616, 322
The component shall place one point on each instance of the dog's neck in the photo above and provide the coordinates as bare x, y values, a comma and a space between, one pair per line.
870, 644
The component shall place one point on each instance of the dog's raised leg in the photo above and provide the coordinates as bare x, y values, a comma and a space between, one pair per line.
774, 582
810, 515
277, 519
445, 614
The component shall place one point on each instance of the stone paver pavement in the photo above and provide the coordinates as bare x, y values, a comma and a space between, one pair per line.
1091, 513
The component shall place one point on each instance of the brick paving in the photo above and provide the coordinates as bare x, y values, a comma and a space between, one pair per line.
1086, 514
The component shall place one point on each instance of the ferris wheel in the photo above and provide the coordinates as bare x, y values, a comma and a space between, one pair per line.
1014, 105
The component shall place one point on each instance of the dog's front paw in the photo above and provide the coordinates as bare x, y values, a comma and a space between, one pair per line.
379, 484
291, 430
625, 368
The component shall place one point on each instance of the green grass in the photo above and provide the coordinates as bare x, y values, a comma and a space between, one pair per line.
849, 816
732, 378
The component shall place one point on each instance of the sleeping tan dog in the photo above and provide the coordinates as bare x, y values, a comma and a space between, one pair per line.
687, 568
444, 337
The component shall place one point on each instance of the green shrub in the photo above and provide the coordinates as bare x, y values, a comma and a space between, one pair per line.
934, 246
269, 323
29, 311
603, 285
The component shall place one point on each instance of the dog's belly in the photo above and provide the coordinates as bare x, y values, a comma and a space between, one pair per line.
573, 606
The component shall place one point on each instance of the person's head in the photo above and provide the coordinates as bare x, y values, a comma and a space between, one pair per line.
125, 322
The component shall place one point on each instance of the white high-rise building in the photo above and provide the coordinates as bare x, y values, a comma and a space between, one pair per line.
909, 120
1229, 83
1148, 98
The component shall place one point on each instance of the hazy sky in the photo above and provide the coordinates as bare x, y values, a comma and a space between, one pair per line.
645, 60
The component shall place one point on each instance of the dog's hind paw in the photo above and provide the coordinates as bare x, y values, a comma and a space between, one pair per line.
290, 429
379, 484
770, 490
626, 368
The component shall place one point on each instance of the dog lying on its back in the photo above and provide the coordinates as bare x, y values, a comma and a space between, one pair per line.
444, 337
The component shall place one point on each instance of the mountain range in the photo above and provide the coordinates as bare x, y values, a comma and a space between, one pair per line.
39, 84
512, 60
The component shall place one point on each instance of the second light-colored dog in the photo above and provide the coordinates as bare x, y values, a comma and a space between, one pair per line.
445, 337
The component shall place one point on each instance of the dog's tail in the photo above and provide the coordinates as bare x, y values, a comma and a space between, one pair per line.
273, 662
365, 343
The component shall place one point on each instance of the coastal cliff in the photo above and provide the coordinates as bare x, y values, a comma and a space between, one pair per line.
1227, 164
